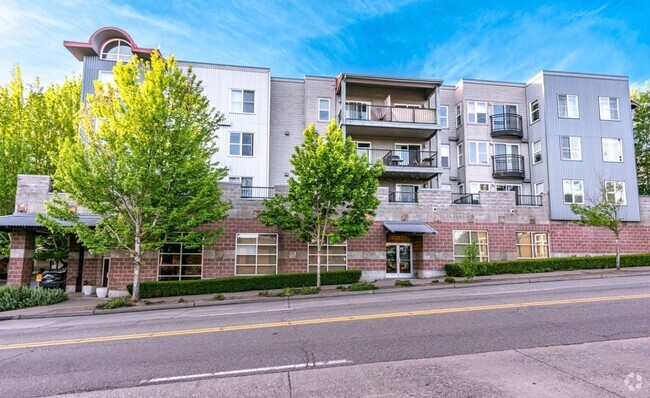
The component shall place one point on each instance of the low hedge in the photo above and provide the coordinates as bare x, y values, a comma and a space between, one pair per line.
551, 264
13, 297
243, 283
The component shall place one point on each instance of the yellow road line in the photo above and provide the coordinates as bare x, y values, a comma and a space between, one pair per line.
317, 321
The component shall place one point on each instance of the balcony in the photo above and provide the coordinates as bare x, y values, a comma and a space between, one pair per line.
256, 192
403, 197
528, 200
508, 166
403, 163
465, 199
365, 120
507, 125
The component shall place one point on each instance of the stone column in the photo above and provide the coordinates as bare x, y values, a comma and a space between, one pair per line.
21, 258
74, 249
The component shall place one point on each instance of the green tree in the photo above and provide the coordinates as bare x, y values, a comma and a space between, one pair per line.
642, 137
604, 211
331, 193
143, 163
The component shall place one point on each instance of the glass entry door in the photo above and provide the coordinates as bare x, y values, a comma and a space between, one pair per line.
399, 263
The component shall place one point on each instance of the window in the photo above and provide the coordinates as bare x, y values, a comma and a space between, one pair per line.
461, 188
615, 192
332, 256
106, 77
477, 112
459, 115
608, 108
462, 239
443, 117
537, 151
478, 152
179, 261
476, 187
460, 154
359, 111
241, 144
246, 183
568, 106
539, 188
509, 188
573, 191
446, 187
532, 245
612, 150
444, 155
116, 50
324, 109
533, 107
256, 254
242, 101
571, 149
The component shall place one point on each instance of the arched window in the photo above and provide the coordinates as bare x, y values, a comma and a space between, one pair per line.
116, 50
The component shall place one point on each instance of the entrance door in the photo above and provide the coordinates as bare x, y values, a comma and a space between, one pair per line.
106, 264
398, 260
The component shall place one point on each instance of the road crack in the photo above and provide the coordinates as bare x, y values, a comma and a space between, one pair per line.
290, 388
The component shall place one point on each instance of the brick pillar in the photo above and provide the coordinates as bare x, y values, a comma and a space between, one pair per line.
21, 258
74, 249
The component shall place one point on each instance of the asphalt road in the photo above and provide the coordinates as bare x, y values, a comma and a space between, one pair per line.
82, 354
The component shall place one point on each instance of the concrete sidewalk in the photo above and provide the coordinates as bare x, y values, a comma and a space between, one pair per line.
79, 305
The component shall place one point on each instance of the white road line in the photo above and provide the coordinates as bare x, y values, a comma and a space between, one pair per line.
248, 371
194, 315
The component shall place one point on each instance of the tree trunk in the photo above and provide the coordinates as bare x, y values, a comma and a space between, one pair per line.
318, 266
618, 254
137, 262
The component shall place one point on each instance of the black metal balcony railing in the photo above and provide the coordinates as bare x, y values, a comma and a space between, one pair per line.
465, 199
528, 200
504, 166
400, 157
403, 197
507, 124
256, 192
381, 113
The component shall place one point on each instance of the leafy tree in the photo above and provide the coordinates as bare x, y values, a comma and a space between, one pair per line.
604, 211
146, 166
469, 266
331, 193
642, 137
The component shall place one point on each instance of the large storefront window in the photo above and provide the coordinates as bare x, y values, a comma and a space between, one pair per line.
177, 261
532, 244
332, 257
256, 254
462, 239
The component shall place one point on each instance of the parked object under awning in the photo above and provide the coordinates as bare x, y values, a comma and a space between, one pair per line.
408, 227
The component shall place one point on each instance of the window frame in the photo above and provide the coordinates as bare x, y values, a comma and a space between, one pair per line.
329, 109
241, 145
257, 253
119, 56
533, 245
482, 256
181, 253
242, 102
616, 191
459, 114
618, 157
535, 152
442, 156
568, 108
535, 187
479, 185
478, 153
571, 148
444, 117
326, 246
476, 113
609, 109
532, 112
573, 192
460, 158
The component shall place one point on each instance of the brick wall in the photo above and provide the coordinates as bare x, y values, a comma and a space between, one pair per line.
21, 263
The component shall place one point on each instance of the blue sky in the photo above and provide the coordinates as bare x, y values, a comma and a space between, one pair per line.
445, 40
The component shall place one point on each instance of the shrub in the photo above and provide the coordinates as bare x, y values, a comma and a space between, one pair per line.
114, 303
450, 279
470, 261
291, 291
13, 297
219, 297
435, 281
403, 283
551, 264
358, 287
243, 283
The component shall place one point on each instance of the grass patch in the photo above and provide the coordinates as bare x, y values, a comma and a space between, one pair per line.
13, 297
117, 302
219, 297
435, 281
358, 287
291, 291
450, 279
403, 283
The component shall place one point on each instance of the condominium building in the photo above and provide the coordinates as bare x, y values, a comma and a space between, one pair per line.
496, 163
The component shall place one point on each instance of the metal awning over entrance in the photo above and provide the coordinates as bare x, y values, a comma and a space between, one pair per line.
28, 220
408, 227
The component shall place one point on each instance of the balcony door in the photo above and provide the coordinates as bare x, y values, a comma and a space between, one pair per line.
363, 148
357, 110
507, 157
408, 154
406, 193
508, 118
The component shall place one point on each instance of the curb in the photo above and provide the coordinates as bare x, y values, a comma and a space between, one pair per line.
384, 290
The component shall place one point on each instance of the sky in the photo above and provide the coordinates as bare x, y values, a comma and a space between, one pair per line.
448, 40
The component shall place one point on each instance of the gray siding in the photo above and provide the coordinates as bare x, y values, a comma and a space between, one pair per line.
287, 115
591, 169
315, 88
537, 131
91, 68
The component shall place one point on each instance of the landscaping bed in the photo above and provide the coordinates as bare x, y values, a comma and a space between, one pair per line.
14, 297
